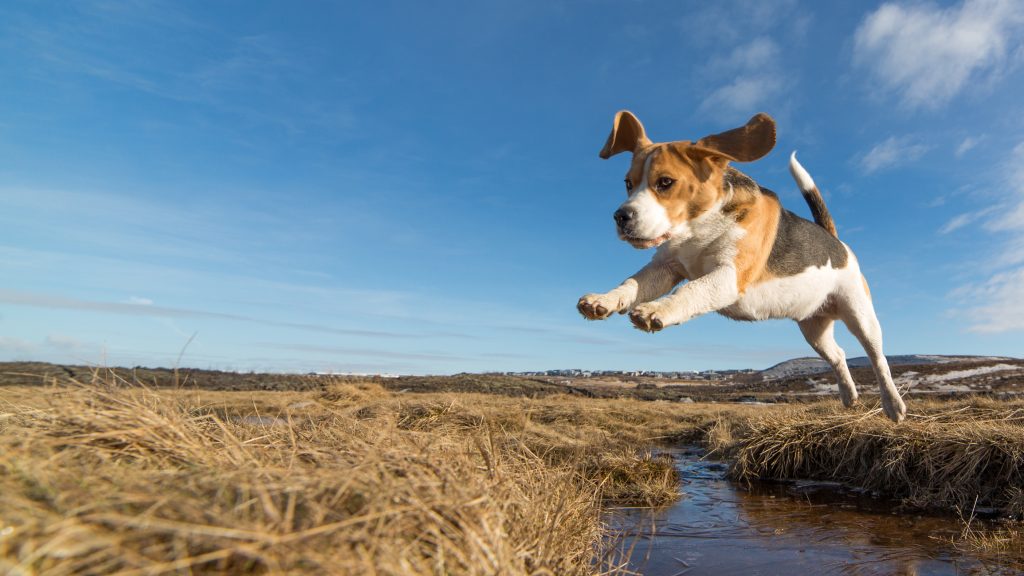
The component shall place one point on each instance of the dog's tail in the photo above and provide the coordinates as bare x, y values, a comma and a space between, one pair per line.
812, 196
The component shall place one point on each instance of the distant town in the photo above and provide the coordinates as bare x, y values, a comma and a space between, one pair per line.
685, 375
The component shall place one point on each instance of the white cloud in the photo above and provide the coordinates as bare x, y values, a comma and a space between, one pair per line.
55, 302
928, 54
752, 79
760, 53
139, 301
1011, 213
996, 303
729, 23
962, 220
967, 145
54, 347
742, 47
11, 347
958, 222
742, 96
1012, 218
891, 152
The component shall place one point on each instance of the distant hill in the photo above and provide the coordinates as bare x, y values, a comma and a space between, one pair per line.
809, 365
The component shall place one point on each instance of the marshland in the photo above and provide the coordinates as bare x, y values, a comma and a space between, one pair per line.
106, 473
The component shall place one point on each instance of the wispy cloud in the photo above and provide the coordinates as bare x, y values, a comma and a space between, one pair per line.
743, 95
729, 23
928, 54
56, 347
958, 222
758, 54
738, 355
753, 79
968, 144
995, 303
95, 41
744, 70
365, 352
54, 302
557, 333
12, 347
891, 152
63, 303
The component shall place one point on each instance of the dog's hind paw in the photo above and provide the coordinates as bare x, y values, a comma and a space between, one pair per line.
894, 407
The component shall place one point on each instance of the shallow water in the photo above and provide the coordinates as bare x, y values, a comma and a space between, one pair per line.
721, 528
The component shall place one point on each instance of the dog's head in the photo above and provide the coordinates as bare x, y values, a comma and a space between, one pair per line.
670, 184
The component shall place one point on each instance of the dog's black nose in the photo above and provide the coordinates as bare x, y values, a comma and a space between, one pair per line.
623, 216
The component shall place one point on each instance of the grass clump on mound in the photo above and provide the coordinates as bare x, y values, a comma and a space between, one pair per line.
946, 456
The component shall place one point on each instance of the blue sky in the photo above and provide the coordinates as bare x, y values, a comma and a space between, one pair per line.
414, 187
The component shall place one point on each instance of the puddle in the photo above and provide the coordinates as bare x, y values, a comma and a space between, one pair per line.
720, 528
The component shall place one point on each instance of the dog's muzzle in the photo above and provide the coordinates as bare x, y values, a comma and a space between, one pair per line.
625, 219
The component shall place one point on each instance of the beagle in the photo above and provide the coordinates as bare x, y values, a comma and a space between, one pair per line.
740, 253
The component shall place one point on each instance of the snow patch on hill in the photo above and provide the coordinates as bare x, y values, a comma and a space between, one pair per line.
809, 366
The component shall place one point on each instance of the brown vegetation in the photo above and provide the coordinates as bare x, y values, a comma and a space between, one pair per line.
110, 478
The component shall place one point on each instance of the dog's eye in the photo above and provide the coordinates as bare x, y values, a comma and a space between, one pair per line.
664, 183
629, 185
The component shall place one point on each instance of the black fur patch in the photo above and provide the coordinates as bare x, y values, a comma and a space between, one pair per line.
800, 244
737, 179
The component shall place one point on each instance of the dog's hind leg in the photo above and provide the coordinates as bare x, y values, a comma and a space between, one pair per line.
858, 314
818, 330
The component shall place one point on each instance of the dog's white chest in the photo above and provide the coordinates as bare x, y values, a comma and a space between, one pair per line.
796, 297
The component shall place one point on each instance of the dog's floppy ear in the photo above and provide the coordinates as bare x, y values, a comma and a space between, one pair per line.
627, 135
746, 143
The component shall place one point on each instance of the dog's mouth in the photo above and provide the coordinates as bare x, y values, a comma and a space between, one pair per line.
644, 243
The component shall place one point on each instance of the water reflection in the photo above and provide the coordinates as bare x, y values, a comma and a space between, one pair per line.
720, 529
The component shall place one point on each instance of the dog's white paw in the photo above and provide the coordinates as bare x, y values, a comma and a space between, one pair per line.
649, 317
601, 306
849, 397
894, 407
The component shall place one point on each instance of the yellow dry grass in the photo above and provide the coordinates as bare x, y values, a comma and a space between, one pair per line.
108, 478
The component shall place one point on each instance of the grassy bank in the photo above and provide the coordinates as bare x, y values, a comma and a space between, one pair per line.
964, 455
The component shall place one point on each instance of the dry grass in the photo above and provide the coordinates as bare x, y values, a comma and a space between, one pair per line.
112, 478
108, 478
1002, 543
945, 456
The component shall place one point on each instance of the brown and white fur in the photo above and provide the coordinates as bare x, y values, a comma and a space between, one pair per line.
726, 245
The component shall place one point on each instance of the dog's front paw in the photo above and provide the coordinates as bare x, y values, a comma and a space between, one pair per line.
648, 317
600, 306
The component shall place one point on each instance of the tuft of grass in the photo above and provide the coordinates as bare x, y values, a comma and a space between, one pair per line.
947, 456
1001, 543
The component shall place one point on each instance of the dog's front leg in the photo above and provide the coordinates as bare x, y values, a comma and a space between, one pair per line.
650, 282
710, 292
